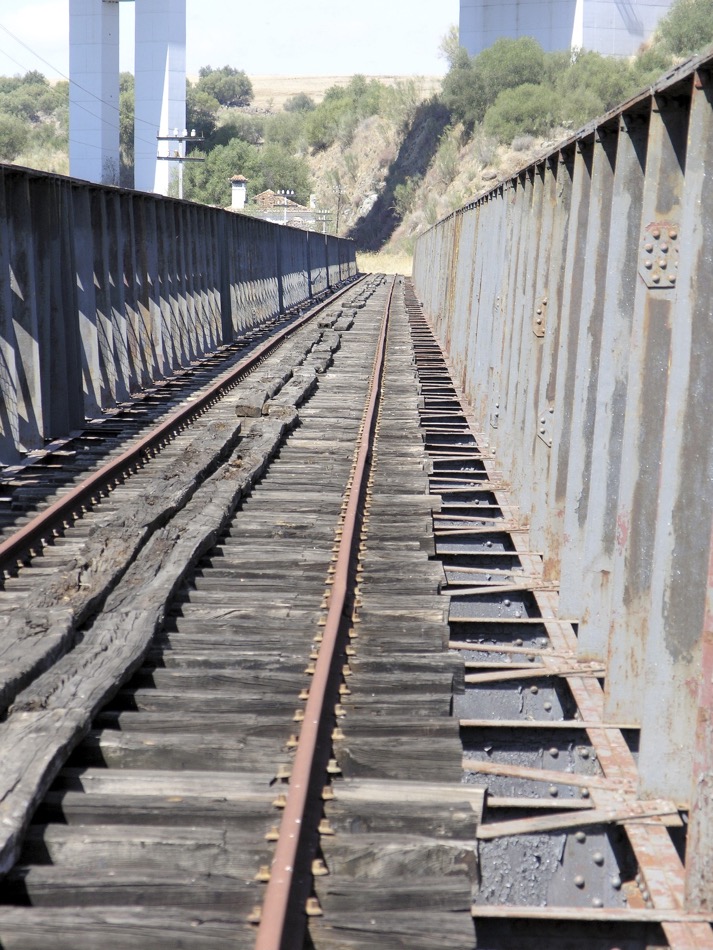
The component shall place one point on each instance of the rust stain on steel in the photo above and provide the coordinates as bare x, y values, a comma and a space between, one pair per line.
277, 895
699, 861
37, 529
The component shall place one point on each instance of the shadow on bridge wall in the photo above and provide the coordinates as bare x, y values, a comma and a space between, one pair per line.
103, 291
415, 155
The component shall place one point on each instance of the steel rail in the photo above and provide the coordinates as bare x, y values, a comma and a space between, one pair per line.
65, 508
275, 905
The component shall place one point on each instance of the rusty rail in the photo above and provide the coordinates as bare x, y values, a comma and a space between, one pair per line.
41, 528
575, 302
277, 896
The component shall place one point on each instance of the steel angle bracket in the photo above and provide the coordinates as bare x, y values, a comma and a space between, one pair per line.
539, 320
658, 255
545, 426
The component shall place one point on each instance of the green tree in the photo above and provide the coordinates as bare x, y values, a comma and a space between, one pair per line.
529, 109
237, 125
610, 81
201, 110
463, 92
29, 97
510, 63
473, 84
300, 102
230, 86
342, 109
687, 27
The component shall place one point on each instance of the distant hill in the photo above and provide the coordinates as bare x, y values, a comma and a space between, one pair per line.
271, 92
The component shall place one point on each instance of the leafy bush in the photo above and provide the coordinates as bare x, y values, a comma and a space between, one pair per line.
237, 125
300, 103
530, 109
473, 85
594, 84
341, 111
30, 97
447, 160
288, 130
230, 86
405, 196
14, 134
687, 27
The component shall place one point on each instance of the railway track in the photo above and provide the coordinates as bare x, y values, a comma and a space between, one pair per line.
298, 682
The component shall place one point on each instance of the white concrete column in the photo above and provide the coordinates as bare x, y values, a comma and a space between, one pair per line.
160, 72
94, 90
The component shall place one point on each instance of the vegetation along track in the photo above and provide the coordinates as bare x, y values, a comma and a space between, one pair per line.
175, 776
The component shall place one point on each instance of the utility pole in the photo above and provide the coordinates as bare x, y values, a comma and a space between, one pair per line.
179, 155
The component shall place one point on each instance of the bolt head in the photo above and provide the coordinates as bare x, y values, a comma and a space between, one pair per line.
598, 858
648, 265
579, 881
656, 234
534, 690
581, 837
648, 247
656, 278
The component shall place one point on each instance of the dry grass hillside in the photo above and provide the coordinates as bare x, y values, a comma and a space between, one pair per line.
271, 92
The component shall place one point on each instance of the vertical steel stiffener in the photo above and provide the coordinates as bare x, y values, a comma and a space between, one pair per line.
599, 412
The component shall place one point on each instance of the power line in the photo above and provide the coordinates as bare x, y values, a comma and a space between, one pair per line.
72, 82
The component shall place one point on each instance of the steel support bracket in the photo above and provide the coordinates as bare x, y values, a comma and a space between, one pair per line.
658, 255
539, 321
545, 426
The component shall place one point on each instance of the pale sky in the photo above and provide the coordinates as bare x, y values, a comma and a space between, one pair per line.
281, 37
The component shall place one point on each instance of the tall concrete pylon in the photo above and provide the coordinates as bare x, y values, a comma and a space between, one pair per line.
160, 74
611, 27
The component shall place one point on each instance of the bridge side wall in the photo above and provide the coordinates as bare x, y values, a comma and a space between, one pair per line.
103, 291
575, 301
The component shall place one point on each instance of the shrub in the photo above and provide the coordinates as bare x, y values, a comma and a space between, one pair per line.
601, 80
521, 143
405, 196
300, 103
447, 160
14, 134
530, 109
687, 27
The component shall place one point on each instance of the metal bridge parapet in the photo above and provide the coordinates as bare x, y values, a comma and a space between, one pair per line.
103, 291
575, 301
